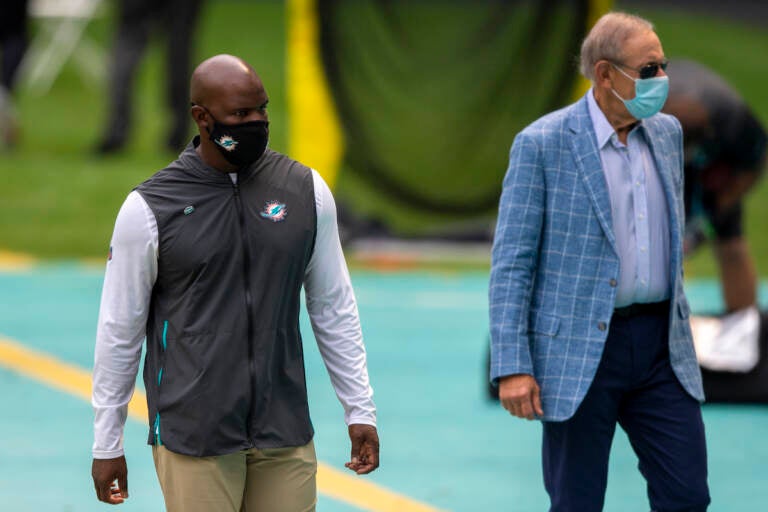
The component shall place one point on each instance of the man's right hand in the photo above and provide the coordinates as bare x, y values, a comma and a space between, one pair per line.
105, 472
519, 394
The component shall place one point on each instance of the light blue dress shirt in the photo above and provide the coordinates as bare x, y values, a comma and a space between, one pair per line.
638, 210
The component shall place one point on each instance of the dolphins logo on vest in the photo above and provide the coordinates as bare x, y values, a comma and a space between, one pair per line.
274, 211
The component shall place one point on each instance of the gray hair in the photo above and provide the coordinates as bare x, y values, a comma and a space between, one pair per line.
606, 40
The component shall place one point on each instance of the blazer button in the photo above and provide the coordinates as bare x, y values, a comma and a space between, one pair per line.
613, 282
602, 326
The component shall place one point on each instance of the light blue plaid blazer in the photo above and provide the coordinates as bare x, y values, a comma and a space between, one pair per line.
554, 258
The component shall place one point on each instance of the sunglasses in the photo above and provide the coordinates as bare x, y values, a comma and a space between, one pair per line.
649, 70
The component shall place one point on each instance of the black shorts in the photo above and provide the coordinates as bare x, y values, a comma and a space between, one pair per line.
13, 19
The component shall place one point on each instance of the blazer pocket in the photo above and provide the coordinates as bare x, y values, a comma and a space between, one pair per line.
683, 309
542, 323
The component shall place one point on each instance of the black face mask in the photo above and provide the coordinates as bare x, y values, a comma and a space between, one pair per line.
241, 144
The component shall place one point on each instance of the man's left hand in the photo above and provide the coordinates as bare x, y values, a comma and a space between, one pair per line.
365, 449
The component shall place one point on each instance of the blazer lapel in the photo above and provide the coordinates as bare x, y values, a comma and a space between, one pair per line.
665, 156
589, 165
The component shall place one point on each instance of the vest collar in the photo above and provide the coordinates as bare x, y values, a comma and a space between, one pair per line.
191, 161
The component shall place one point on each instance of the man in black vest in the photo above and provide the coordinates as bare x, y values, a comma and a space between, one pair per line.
726, 151
726, 154
207, 260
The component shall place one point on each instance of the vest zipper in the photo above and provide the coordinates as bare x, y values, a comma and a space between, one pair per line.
248, 298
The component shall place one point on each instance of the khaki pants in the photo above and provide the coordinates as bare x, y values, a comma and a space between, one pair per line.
268, 480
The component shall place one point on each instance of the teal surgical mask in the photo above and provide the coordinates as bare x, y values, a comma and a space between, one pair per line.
650, 95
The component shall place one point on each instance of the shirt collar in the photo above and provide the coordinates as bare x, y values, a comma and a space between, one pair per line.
603, 129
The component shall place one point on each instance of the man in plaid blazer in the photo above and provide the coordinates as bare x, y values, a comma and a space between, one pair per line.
589, 321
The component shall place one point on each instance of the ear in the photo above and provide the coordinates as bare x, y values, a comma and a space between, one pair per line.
200, 116
603, 74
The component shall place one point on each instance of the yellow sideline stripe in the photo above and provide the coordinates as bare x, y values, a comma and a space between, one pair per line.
314, 133
71, 379
596, 9
15, 261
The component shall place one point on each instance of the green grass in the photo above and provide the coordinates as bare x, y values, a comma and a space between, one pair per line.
57, 200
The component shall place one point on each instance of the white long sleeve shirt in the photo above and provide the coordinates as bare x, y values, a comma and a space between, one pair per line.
125, 300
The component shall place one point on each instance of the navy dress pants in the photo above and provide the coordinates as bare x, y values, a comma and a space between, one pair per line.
636, 388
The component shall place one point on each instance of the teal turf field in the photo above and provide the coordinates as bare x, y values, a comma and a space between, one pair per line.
443, 443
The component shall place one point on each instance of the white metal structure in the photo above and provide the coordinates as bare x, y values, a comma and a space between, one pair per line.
60, 37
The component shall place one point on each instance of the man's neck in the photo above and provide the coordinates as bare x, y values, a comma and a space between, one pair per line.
213, 158
616, 114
